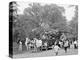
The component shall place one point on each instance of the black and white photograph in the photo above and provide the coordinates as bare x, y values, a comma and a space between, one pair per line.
42, 29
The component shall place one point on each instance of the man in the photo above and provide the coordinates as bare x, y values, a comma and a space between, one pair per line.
75, 44
60, 44
45, 44
66, 46
26, 43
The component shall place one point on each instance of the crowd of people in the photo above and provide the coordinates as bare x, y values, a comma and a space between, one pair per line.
49, 40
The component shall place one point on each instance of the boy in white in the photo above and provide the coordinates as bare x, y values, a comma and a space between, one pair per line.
56, 49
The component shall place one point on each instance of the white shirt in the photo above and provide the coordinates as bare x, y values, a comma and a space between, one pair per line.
38, 43
75, 42
56, 48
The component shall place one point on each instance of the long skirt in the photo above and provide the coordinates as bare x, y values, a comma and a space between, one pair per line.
20, 48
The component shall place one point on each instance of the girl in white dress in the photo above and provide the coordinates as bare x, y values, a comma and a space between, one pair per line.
56, 49
20, 46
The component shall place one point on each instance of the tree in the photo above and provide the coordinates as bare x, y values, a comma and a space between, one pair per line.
47, 14
36, 16
74, 23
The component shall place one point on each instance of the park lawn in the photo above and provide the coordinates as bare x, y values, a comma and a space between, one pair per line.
15, 49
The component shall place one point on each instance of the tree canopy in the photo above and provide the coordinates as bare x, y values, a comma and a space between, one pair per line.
39, 18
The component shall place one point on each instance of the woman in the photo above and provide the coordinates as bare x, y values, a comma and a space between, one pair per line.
20, 46
38, 43
26, 43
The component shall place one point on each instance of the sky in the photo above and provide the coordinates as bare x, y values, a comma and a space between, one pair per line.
69, 10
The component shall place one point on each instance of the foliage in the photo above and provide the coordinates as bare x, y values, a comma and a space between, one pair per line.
74, 23
40, 18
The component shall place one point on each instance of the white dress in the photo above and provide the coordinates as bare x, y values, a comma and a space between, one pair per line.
38, 43
20, 46
56, 48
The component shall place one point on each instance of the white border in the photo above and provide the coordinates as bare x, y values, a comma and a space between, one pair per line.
4, 29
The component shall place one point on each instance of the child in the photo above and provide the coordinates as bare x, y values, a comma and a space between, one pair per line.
56, 49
